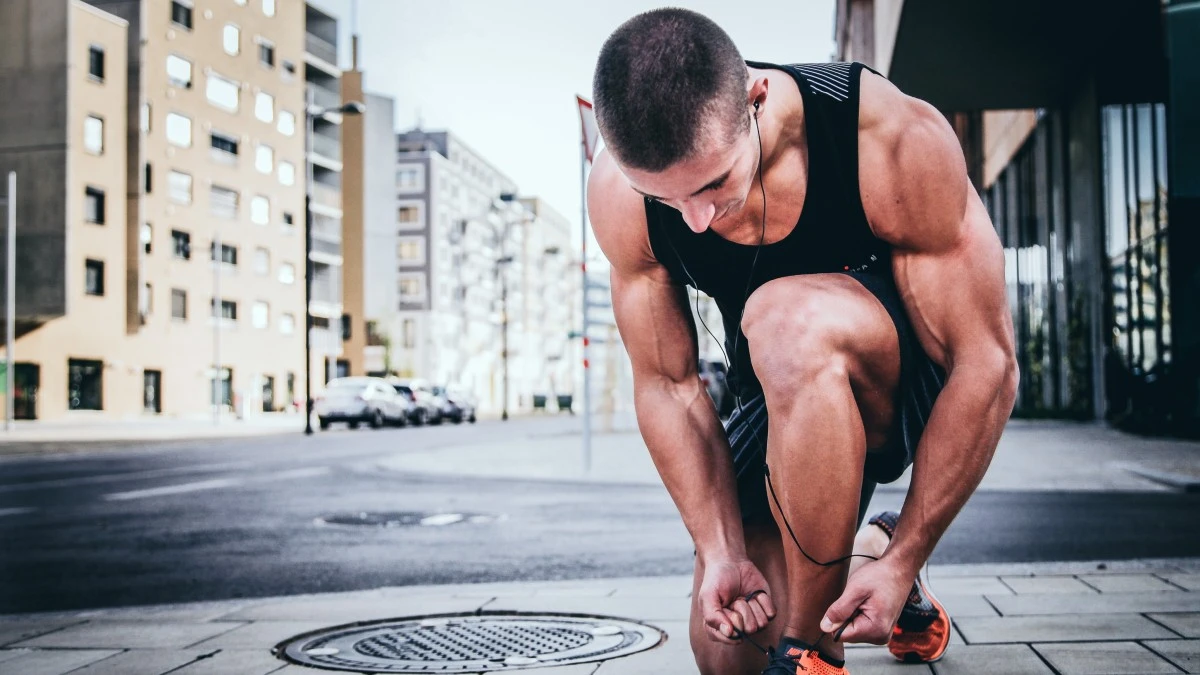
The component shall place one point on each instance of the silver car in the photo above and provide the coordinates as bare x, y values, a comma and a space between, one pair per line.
357, 400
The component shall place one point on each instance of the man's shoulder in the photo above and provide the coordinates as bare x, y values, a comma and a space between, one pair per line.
618, 215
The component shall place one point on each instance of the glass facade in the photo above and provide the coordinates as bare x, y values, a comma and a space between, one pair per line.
1049, 279
1135, 204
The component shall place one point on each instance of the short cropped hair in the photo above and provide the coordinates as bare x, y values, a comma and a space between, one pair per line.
662, 78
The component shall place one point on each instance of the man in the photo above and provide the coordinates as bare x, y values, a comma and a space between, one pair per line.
862, 289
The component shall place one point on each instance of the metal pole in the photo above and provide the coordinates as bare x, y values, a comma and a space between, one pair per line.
587, 374
218, 316
504, 330
308, 179
10, 307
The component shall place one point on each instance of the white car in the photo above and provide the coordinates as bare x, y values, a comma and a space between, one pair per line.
357, 400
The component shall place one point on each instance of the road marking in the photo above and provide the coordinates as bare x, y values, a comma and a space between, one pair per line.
117, 477
216, 484
16, 511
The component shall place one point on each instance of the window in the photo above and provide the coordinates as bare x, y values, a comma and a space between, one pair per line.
228, 254
224, 148
410, 179
94, 277
411, 250
179, 187
287, 325
287, 173
85, 384
179, 72
408, 332
264, 107
231, 39
96, 63
179, 304
240, 3
228, 311
289, 221
181, 14
411, 288
260, 314
223, 202
222, 93
289, 67
264, 159
287, 123
145, 301
147, 179
266, 53
260, 210
287, 273
269, 7
93, 135
147, 238
179, 130
93, 205
182, 243
409, 216
262, 262
145, 121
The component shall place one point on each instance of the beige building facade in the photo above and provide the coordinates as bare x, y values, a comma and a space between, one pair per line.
184, 243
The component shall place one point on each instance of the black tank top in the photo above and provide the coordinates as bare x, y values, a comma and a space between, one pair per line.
831, 235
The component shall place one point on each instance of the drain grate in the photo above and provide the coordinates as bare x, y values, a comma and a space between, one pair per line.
469, 643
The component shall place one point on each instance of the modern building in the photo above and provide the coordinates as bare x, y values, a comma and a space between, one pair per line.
1079, 125
159, 254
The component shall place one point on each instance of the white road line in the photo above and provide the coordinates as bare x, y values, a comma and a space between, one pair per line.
16, 511
217, 484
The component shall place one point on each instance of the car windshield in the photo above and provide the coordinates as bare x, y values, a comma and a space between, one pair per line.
439, 391
346, 385
404, 389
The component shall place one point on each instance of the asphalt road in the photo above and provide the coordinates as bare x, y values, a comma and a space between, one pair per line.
214, 520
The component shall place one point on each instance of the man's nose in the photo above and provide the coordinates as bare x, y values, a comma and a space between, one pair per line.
699, 215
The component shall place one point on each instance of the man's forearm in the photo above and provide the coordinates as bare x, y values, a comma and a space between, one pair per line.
688, 446
953, 455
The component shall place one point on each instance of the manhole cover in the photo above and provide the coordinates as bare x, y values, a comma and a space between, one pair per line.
405, 519
469, 643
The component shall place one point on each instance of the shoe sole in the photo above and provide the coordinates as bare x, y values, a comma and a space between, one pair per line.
913, 657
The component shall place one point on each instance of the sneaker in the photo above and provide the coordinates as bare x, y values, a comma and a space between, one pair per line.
922, 632
797, 658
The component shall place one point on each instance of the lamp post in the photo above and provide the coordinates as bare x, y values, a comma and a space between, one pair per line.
311, 114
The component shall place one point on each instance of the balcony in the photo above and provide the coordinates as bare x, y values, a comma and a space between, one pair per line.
325, 146
326, 196
325, 246
320, 48
325, 98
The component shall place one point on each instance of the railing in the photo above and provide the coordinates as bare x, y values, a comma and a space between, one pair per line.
326, 246
320, 48
327, 147
324, 98
327, 196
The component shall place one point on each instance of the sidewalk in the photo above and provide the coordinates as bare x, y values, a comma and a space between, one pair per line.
85, 427
1133, 617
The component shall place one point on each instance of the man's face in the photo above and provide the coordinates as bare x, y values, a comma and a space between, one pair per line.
708, 187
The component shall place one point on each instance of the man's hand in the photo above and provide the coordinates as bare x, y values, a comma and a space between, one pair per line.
871, 603
734, 594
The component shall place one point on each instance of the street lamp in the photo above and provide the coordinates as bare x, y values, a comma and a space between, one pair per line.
311, 114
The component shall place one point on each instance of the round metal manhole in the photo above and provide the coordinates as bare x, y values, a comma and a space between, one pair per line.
404, 519
469, 643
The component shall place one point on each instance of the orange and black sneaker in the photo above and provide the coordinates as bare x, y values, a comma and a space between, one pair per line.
922, 632
794, 657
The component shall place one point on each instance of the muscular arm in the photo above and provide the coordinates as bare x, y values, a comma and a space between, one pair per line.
675, 415
949, 267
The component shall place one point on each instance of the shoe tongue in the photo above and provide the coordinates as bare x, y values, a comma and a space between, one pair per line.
794, 648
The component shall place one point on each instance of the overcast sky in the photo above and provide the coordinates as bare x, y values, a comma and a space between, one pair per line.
502, 75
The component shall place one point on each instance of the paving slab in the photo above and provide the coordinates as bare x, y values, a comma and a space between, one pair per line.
260, 635
1095, 603
968, 586
1060, 628
637, 608
235, 662
1183, 653
1186, 624
14, 630
143, 662
673, 655
873, 660
193, 612
966, 605
991, 660
53, 661
1128, 583
1188, 581
333, 611
1046, 585
129, 635
1103, 658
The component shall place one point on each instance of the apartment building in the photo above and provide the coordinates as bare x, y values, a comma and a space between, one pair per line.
160, 265
1079, 130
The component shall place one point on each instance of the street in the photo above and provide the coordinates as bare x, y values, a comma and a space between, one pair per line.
284, 515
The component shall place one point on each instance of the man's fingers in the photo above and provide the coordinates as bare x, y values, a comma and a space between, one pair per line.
841, 610
763, 600
747, 622
720, 627
757, 614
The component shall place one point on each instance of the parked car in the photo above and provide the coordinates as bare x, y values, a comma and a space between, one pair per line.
356, 400
426, 407
459, 407
712, 374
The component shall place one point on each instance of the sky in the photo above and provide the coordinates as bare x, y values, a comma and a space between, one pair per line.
502, 75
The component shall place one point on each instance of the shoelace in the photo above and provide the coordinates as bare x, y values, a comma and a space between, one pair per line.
781, 664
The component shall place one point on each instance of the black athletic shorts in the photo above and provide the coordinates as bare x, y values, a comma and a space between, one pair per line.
921, 380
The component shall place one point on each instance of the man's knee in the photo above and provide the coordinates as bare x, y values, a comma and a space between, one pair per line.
794, 337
